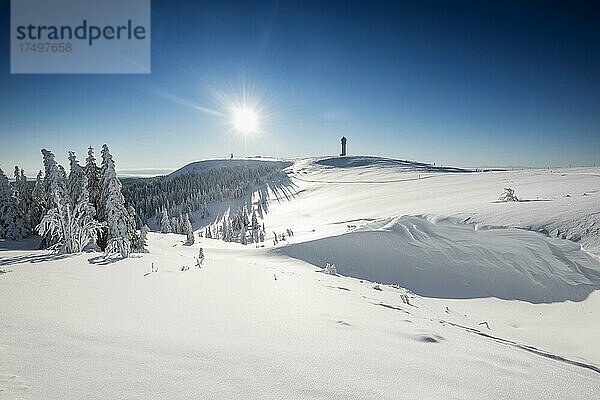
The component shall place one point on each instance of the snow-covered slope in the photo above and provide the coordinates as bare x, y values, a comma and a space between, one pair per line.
205, 165
561, 203
247, 325
462, 320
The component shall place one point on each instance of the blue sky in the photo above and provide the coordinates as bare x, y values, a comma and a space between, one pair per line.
470, 84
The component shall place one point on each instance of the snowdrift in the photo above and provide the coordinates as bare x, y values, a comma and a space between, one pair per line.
458, 261
205, 165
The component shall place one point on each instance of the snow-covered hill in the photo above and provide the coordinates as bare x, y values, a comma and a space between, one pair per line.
486, 299
204, 165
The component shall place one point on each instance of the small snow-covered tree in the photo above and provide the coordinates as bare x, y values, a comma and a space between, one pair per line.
508, 195
13, 224
330, 269
189, 231
226, 233
143, 239
255, 226
165, 223
175, 226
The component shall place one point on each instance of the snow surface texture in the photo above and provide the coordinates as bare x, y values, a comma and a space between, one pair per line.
515, 317
457, 261
247, 325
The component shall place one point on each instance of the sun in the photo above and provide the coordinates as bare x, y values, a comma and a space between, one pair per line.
245, 120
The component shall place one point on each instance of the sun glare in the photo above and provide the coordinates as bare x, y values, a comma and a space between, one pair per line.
245, 120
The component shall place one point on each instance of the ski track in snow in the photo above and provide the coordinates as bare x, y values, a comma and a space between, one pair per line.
525, 347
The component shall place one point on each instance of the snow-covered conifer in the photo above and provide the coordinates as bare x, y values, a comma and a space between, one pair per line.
189, 231
58, 203
13, 224
255, 226
92, 174
165, 223
118, 220
143, 239
38, 201
72, 228
76, 176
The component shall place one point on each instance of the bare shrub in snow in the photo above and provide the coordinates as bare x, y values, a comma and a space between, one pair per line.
508, 195
330, 269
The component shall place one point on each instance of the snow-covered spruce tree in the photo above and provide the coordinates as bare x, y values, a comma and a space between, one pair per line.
102, 184
119, 234
143, 240
20, 190
243, 235
226, 230
76, 177
165, 223
189, 231
38, 201
22, 195
13, 224
73, 228
175, 226
92, 174
68, 226
137, 245
55, 187
255, 227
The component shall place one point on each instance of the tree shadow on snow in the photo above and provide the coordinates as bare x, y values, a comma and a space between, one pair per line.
522, 201
104, 260
30, 243
259, 199
32, 258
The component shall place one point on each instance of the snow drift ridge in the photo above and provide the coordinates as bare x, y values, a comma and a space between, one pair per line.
448, 260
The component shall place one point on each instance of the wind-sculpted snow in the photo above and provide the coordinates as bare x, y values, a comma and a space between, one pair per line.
457, 261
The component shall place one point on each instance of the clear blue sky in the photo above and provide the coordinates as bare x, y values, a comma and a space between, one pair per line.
467, 84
